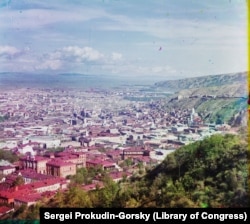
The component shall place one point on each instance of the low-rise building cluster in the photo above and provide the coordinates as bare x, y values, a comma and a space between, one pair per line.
55, 132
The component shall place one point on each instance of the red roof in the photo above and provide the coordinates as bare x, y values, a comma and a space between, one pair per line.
5, 209
28, 189
59, 162
29, 198
32, 174
119, 175
90, 187
4, 186
61, 154
100, 162
36, 158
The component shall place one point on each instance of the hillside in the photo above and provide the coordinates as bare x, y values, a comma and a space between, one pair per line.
236, 79
232, 111
212, 173
216, 98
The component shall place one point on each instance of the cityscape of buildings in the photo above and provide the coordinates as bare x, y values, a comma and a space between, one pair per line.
54, 132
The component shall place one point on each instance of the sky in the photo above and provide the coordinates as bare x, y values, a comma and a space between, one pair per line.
164, 39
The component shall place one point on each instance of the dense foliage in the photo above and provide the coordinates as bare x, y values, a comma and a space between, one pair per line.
8, 155
211, 173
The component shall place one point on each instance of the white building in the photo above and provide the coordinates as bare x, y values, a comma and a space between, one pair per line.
49, 141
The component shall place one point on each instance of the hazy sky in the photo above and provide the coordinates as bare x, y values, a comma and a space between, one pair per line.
160, 38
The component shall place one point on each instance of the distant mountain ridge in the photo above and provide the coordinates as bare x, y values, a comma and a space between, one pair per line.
61, 80
203, 81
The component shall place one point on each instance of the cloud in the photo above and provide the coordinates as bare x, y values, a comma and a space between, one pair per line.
85, 55
76, 58
91, 60
76, 54
116, 56
81, 54
68, 57
9, 51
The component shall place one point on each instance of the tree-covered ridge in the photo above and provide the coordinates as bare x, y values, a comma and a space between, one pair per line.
212, 172
208, 173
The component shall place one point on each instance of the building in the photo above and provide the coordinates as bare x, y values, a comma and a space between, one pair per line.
104, 164
119, 175
30, 176
37, 163
78, 158
5, 170
47, 141
29, 194
59, 168
134, 152
93, 186
28, 148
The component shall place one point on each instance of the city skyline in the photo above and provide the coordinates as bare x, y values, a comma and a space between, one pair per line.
160, 39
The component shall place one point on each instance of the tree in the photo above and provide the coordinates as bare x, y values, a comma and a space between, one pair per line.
77, 197
180, 159
18, 181
188, 182
58, 200
33, 212
231, 179
132, 203
78, 178
182, 202
20, 212
123, 195
108, 193
171, 162
8, 155
128, 162
240, 197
